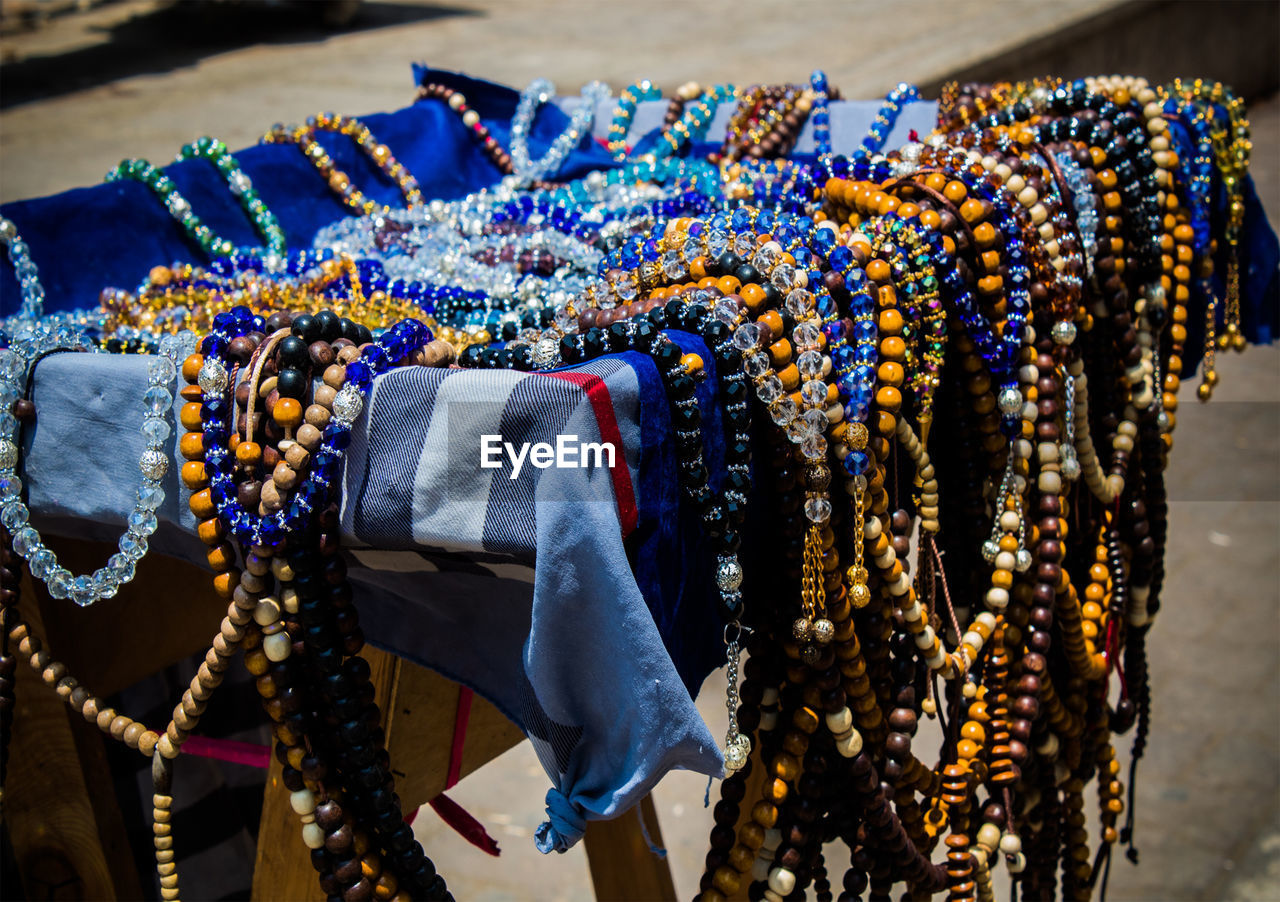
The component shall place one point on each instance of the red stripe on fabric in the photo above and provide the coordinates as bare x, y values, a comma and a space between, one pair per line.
602, 406
460, 718
228, 750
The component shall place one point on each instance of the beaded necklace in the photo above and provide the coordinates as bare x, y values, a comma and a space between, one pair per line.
33, 343
457, 101
179, 208
303, 137
241, 186
540, 91
379, 153
314, 600
31, 308
693, 124
620, 126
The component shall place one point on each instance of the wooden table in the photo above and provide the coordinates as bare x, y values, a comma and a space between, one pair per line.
60, 812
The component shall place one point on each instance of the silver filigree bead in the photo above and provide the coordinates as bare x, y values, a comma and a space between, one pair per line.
546, 354
1010, 400
8, 454
736, 753
729, 574
213, 377
153, 464
990, 548
347, 405
823, 631
1070, 467
1022, 560
1063, 332
802, 629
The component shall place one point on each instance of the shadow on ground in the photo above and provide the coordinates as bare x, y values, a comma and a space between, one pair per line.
182, 33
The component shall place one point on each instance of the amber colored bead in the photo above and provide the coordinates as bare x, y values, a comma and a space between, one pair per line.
210, 531
786, 767
776, 791
727, 880
937, 181
249, 454
752, 295
288, 413
189, 416
221, 557
191, 446
893, 348
764, 814
741, 858
191, 393
386, 887
201, 504
971, 210
955, 191
773, 320
752, 834
692, 363
990, 285
256, 662
224, 584
890, 373
193, 475
890, 321
728, 284
795, 743
878, 270
805, 720
191, 368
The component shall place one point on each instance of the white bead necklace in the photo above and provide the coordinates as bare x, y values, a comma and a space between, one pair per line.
33, 341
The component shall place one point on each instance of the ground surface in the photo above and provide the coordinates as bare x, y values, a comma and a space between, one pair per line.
140, 79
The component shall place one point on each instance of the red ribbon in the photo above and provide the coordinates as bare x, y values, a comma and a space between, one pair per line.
453, 814
229, 750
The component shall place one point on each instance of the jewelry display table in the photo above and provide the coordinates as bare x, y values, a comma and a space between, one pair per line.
61, 808
586, 606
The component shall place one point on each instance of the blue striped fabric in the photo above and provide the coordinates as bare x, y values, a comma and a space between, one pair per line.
443, 552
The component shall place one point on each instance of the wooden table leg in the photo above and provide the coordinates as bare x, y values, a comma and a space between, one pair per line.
59, 806
622, 866
282, 869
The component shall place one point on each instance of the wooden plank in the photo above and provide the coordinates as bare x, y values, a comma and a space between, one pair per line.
420, 736
282, 868
622, 866
67, 831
